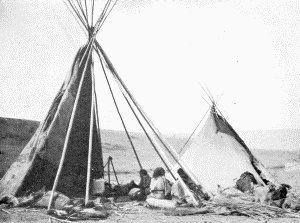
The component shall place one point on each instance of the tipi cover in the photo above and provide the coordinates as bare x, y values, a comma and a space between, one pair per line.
37, 164
216, 155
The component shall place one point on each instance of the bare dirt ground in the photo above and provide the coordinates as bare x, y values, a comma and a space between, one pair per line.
137, 214
12, 140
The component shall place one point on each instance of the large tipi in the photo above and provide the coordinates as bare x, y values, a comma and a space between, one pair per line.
65, 153
37, 164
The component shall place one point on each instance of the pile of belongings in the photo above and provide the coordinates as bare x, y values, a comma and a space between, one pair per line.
292, 201
232, 202
244, 200
120, 190
278, 196
63, 207
76, 210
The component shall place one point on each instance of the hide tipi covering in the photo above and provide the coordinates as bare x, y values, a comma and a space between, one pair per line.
216, 155
38, 163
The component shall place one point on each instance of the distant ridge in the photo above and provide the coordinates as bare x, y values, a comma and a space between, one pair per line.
279, 139
15, 133
21, 129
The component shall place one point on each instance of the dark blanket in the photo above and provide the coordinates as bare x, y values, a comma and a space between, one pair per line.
244, 182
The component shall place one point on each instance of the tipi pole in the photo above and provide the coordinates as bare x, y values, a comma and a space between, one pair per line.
119, 113
97, 121
98, 127
96, 113
100, 18
107, 14
69, 130
115, 173
92, 16
83, 13
83, 25
108, 170
88, 174
193, 132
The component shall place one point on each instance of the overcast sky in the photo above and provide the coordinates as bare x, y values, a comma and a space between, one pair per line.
247, 50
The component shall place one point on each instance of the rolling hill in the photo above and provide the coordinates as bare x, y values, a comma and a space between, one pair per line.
273, 147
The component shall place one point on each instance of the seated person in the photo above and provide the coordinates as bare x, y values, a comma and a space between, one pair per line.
144, 184
159, 186
178, 193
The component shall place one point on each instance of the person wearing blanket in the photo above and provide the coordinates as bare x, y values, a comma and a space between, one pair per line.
145, 180
162, 194
159, 185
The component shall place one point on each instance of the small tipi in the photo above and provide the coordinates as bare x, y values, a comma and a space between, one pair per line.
216, 155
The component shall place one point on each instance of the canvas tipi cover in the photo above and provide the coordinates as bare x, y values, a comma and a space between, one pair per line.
216, 155
37, 164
